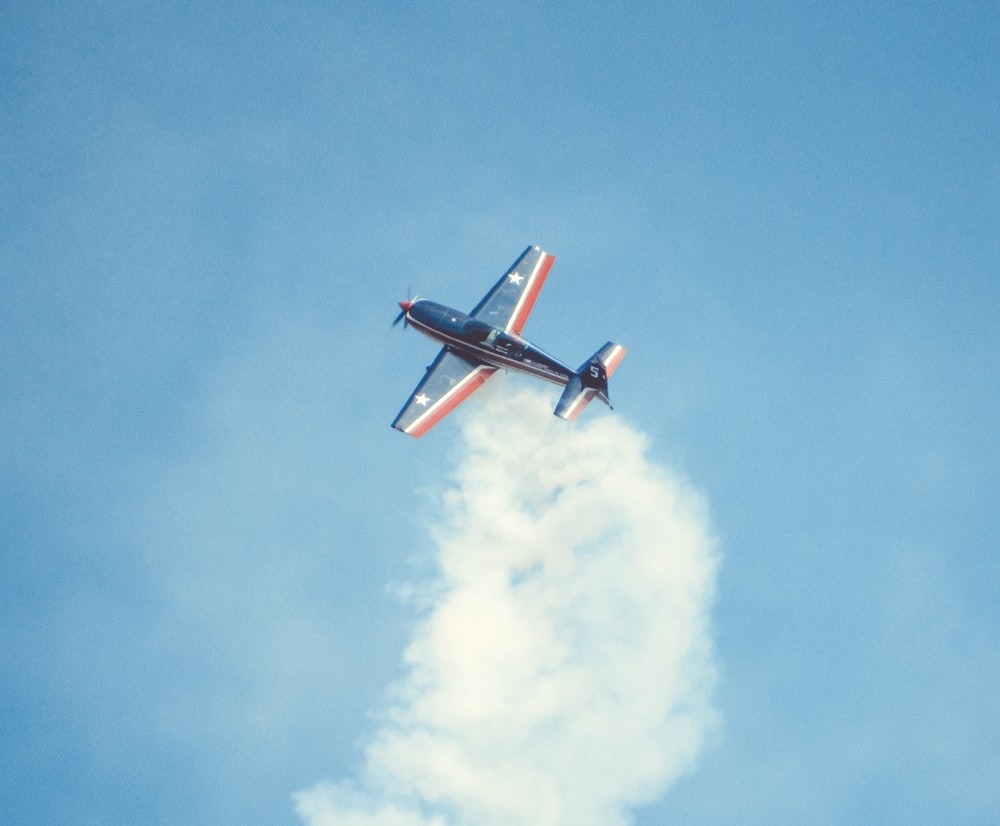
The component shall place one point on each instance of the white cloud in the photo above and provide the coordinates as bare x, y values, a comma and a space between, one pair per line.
563, 671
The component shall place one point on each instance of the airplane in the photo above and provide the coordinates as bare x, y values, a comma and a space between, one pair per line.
488, 339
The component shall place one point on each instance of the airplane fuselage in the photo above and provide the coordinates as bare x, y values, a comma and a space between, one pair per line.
484, 343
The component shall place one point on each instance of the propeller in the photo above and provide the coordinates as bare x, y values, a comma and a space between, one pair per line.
404, 307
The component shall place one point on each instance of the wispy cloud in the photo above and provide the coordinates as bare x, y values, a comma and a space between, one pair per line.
563, 670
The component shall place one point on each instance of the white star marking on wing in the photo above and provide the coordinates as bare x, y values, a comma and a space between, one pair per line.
515, 278
422, 400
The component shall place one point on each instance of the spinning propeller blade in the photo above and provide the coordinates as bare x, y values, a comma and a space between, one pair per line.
404, 307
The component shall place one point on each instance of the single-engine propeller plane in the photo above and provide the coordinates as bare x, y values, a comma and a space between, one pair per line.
488, 339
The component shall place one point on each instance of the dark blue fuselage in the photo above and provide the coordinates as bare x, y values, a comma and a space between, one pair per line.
480, 342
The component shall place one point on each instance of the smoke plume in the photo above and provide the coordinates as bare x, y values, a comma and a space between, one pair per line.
562, 672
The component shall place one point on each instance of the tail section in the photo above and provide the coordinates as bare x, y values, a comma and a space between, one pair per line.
589, 381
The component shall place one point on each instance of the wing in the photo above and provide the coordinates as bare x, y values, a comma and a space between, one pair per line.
509, 303
448, 382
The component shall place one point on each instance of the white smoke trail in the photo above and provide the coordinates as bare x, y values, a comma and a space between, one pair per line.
563, 672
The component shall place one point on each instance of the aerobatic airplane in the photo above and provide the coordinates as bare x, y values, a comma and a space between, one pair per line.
488, 339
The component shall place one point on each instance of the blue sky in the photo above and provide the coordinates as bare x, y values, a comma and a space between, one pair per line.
787, 212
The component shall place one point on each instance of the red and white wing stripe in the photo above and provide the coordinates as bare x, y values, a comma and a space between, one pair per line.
509, 303
449, 401
526, 302
449, 381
